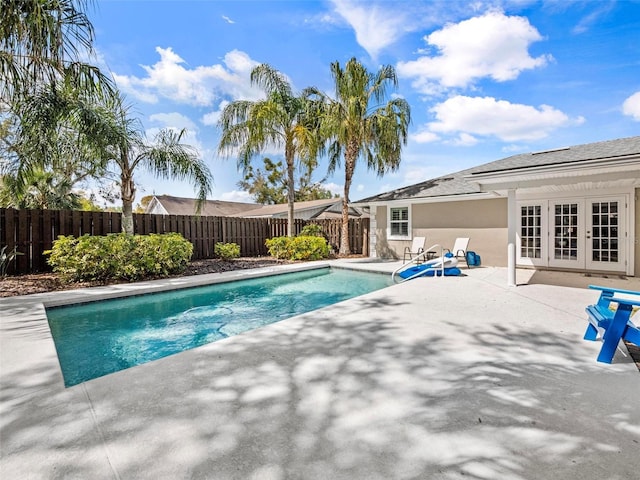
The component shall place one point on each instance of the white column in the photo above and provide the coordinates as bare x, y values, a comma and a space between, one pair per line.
373, 227
512, 223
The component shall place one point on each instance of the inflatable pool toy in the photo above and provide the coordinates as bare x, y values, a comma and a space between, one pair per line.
433, 267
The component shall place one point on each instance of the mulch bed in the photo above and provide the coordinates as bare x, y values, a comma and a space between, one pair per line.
51, 282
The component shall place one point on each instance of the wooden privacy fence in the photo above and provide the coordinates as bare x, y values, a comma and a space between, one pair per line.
33, 231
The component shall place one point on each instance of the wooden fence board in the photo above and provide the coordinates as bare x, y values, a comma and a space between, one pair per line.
33, 231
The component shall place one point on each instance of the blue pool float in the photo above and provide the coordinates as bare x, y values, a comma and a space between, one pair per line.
433, 268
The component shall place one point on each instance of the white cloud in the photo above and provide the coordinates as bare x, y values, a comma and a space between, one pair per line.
334, 188
594, 17
199, 86
176, 121
227, 19
514, 148
631, 106
374, 26
493, 45
212, 118
424, 136
487, 116
465, 140
237, 196
173, 120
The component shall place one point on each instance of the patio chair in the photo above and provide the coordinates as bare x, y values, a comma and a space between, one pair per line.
459, 249
417, 247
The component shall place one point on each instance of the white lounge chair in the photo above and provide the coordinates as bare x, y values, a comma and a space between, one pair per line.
417, 247
460, 247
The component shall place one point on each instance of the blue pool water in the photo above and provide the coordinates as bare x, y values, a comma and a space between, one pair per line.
94, 339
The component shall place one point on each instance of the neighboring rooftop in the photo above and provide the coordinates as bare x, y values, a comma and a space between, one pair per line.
458, 183
312, 209
168, 205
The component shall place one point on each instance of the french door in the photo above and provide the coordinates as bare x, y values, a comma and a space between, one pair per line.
567, 234
586, 233
605, 234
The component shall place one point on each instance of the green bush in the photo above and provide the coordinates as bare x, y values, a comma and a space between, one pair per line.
298, 248
311, 230
226, 251
7, 258
119, 256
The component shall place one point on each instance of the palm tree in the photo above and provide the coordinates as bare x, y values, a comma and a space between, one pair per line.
359, 126
106, 136
127, 147
41, 41
43, 147
282, 119
42, 190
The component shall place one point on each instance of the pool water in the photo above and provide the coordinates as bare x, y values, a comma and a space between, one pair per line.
98, 338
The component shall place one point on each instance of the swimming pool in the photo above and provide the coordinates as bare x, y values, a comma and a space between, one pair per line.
98, 338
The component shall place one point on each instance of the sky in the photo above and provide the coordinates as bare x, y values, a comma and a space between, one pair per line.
484, 80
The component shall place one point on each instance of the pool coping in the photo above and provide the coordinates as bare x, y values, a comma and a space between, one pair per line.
48, 428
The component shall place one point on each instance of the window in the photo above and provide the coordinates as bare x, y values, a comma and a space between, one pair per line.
604, 221
399, 222
565, 231
530, 231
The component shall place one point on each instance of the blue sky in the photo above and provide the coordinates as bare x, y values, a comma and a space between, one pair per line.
485, 80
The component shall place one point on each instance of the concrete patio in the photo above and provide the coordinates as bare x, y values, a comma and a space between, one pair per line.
438, 378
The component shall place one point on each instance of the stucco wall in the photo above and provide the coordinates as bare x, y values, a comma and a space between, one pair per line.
636, 237
483, 221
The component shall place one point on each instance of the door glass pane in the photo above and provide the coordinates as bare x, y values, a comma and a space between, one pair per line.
565, 239
531, 222
604, 245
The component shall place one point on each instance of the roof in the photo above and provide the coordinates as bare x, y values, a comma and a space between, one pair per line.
213, 208
325, 205
461, 183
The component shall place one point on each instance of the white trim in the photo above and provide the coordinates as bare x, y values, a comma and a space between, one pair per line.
440, 199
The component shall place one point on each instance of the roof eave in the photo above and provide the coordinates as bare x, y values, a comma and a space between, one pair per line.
610, 169
438, 199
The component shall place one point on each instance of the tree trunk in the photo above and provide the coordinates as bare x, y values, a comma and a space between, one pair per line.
127, 217
350, 157
128, 193
291, 192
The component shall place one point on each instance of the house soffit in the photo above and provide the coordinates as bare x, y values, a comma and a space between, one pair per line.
621, 170
403, 202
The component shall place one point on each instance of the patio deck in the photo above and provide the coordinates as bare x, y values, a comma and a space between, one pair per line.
438, 378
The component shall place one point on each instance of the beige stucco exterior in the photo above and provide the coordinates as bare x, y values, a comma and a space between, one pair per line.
483, 221
573, 208
636, 235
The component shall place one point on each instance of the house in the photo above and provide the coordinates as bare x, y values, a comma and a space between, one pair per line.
168, 205
574, 208
309, 210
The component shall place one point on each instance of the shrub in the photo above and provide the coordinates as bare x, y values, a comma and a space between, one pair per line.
311, 230
226, 251
298, 248
119, 256
7, 258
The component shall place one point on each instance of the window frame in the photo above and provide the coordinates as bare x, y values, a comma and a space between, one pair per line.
390, 236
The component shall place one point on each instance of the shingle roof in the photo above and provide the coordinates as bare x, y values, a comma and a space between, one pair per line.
269, 210
458, 184
590, 151
213, 208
